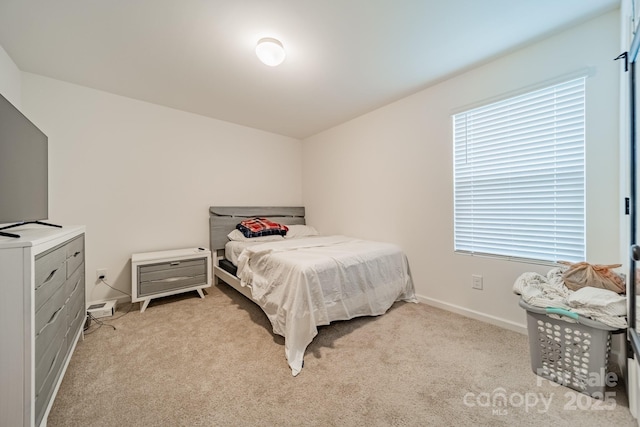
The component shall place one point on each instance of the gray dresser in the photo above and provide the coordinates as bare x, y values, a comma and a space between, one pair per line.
42, 313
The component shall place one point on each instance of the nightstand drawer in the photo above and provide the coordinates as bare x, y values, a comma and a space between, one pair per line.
168, 270
162, 285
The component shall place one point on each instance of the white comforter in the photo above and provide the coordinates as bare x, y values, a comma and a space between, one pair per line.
304, 283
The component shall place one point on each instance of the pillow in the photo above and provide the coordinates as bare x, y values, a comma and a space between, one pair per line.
257, 227
237, 236
300, 231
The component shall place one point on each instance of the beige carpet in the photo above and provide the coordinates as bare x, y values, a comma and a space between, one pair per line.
215, 362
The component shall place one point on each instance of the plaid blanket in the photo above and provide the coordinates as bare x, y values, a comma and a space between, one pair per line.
256, 227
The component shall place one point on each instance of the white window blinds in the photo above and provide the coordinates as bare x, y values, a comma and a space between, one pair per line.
519, 176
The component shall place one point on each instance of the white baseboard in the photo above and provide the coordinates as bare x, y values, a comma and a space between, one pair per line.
503, 323
616, 355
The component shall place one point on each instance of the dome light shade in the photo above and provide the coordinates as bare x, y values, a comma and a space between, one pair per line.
270, 51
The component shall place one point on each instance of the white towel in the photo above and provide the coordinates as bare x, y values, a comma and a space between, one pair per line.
604, 300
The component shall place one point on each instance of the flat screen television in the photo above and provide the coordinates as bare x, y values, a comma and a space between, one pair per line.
24, 172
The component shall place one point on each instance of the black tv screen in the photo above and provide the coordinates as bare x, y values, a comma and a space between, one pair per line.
23, 167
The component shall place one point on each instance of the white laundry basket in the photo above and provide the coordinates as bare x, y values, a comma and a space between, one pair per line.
569, 349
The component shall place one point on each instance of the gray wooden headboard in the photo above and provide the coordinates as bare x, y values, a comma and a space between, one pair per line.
223, 219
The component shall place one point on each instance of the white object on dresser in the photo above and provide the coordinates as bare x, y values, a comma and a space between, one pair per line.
159, 274
42, 313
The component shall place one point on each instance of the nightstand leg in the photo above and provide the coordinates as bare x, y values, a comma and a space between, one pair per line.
201, 293
144, 305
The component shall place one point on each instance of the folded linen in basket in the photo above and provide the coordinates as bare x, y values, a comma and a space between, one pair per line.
604, 300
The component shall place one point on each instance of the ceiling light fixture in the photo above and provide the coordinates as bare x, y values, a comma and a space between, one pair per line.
270, 51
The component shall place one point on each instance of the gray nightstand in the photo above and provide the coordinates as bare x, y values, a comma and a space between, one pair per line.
159, 274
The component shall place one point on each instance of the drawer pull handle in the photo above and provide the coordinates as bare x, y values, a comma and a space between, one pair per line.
170, 279
175, 263
76, 254
75, 286
52, 319
50, 275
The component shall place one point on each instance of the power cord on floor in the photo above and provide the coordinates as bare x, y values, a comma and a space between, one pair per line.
100, 323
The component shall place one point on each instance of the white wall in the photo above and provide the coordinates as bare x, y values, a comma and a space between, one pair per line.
10, 84
141, 176
387, 175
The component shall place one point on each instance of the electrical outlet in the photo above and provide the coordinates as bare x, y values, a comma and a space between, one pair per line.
476, 281
101, 274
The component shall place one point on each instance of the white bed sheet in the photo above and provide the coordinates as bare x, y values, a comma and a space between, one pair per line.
234, 248
303, 283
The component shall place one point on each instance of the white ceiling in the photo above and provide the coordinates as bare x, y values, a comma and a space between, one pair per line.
344, 57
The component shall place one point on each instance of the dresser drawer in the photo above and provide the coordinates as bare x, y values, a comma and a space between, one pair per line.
45, 314
50, 274
75, 283
54, 281
49, 354
47, 383
47, 263
74, 254
76, 321
75, 304
51, 330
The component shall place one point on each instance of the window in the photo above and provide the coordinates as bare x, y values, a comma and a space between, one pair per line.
519, 176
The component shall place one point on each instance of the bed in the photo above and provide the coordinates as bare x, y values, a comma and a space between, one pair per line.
304, 280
